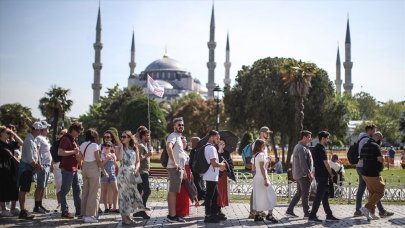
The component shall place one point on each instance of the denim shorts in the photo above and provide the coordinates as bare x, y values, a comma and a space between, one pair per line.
43, 176
108, 180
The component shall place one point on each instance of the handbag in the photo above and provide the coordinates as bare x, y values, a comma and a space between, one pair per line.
136, 179
191, 189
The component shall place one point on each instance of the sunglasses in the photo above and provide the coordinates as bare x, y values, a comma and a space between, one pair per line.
124, 136
107, 136
180, 125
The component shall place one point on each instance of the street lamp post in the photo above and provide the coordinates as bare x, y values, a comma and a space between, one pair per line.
217, 90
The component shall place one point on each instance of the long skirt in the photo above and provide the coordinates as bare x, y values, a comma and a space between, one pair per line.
264, 198
183, 199
222, 199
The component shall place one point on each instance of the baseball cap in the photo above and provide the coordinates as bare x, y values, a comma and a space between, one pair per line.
37, 126
265, 129
45, 124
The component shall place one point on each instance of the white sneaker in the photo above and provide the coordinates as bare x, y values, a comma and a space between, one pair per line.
365, 212
6, 213
15, 211
90, 219
374, 217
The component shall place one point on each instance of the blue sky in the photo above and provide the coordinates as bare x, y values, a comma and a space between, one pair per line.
48, 42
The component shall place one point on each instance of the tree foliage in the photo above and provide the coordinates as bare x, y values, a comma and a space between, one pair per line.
261, 97
387, 118
18, 115
125, 109
367, 105
199, 116
54, 106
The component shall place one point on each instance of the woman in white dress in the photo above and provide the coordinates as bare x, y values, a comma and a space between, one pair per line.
264, 197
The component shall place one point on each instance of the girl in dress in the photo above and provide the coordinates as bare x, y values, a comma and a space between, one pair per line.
108, 176
264, 197
130, 200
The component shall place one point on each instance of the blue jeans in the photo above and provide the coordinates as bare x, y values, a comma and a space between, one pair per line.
360, 192
70, 178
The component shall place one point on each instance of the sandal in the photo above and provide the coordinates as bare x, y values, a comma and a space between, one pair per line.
271, 218
258, 218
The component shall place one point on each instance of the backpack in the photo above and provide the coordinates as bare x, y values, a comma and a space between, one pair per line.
247, 154
164, 157
353, 152
54, 151
200, 164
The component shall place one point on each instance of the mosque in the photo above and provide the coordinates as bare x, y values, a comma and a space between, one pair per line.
167, 72
177, 81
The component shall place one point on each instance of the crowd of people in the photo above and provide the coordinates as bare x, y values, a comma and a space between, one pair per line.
115, 172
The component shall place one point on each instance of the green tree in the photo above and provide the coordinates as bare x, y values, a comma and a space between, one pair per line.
125, 109
297, 76
352, 106
260, 97
54, 106
367, 105
18, 115
388, 120
402, 125
199, 116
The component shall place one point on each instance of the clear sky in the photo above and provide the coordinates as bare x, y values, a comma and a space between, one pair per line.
50, 42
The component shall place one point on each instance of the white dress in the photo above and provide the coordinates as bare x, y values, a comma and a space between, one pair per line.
264, 198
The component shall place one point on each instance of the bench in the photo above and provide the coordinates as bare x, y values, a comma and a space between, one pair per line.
158, 172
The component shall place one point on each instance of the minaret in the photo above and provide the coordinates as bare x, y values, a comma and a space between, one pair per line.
227, 64
97, 61
338, 81
348, 64
211, 57
132, 64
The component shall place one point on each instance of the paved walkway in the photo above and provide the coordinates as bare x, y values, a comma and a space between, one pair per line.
236, 213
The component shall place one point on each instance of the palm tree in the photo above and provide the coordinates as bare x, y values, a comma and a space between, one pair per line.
54, 106
297, 77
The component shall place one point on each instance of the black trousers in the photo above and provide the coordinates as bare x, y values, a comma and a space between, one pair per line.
322, 194
144, 188
211, 205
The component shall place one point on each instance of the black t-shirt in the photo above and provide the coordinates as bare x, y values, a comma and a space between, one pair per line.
369, 153
318, 156
6, 155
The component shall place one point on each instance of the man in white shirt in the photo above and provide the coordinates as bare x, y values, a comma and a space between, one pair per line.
211, 178
174, 147
44, 148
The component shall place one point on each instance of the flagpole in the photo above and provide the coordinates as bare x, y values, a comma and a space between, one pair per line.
148, 112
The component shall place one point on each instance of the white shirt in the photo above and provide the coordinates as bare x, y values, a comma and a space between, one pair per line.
44, 147
178, 152
212, 173
91, 148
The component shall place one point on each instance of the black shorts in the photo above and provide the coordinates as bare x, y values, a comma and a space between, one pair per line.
25, 181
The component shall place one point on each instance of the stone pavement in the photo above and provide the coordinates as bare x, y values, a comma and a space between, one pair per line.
237, 217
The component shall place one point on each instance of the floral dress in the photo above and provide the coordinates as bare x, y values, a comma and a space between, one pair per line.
129, 199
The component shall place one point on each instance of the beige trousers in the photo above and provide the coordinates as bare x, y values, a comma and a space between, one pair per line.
91, 187
375, 187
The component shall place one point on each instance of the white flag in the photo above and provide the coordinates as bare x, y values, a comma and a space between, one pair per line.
155, 88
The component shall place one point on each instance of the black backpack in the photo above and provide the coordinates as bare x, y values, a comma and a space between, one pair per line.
200, 164
164, 157
54, 151
353, 152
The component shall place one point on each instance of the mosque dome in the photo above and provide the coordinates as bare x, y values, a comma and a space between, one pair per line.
165, 64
